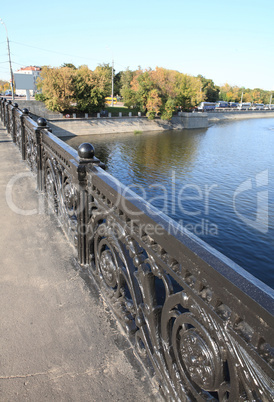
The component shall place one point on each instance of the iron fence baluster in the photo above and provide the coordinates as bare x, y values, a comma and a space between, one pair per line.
24, 114
13, 113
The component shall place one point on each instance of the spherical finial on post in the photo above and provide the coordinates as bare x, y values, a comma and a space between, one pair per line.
25, 111
9, 102
42, 122
15, 105
86, 151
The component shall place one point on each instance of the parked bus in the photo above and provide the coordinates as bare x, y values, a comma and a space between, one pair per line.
221, 104
205, 106
244, 106
108, 100
233, 104
269, 107
257, 106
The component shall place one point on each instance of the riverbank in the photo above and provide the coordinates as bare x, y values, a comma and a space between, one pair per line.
68, 127
215, 117
110, 125
95, 126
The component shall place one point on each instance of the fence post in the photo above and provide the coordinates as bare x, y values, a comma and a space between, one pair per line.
23, 133
13, 111
10, 116
7, 115
86, 158
1, 108
42, 124
5, 112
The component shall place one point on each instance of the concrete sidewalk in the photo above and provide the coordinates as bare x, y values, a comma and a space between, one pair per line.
58, 341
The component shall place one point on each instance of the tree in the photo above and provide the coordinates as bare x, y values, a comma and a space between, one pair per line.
69, 65
209, 89
4, 86
117, 83
153, 104
103, 73
142, 84
126, 91
66, 86
88, 95
57, 87
189, 91
160, 90
170, 106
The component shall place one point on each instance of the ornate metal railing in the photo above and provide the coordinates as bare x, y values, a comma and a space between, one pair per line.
201, 322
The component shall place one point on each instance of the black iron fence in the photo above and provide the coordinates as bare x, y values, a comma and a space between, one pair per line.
199, 321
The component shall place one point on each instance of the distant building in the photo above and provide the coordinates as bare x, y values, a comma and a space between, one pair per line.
25, 80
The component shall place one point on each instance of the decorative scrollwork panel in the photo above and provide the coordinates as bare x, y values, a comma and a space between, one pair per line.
6, 117
114, 269
18, 132
10, 128
31, 149
199, 347
62, 196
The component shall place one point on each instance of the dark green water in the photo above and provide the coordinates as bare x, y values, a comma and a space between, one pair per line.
218, 182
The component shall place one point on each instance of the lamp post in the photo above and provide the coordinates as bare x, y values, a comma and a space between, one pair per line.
11, 74
112, 76
112, 83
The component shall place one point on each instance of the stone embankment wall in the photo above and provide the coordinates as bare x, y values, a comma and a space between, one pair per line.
214, 117
66, 127
38, 108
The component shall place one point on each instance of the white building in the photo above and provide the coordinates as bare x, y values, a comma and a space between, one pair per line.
25, 80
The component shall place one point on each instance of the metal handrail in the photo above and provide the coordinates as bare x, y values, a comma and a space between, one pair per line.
199, 320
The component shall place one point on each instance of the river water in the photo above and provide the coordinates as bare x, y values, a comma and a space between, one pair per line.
217, 182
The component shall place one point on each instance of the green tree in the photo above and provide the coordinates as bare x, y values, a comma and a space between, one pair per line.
88, 95
117, 83
127, 92
57, 87
189, 91
209, 89
103, 73
69, 65
170, 106
142, 84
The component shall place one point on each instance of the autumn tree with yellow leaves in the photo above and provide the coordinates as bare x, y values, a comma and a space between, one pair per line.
161, 91
65, 86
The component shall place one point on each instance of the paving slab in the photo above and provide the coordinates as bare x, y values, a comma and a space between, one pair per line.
58, 340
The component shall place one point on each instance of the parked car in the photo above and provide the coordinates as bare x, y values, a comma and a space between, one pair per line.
8, 93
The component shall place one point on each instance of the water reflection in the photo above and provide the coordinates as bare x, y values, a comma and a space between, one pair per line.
192, 176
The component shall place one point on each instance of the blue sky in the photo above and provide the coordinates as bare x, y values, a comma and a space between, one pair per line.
228, 41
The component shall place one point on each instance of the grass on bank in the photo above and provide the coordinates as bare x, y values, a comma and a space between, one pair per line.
104, 112
122, 109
